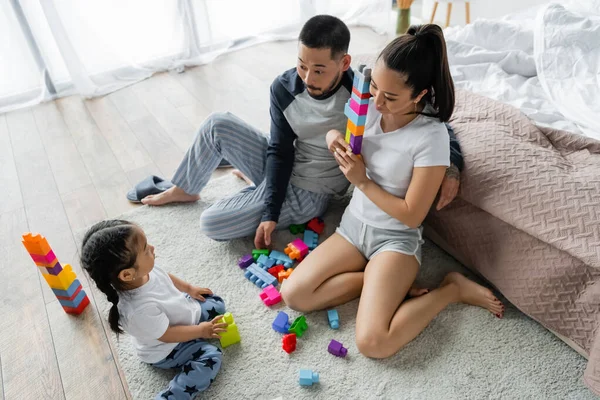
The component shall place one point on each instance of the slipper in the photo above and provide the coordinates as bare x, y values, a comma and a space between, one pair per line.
151, 185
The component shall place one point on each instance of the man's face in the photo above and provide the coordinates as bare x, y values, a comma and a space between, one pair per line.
319, 72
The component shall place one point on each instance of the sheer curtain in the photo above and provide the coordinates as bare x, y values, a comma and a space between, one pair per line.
53, 48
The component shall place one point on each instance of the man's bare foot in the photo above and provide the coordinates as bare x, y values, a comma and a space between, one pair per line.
171, 195
243, 177
415, 291
474, 294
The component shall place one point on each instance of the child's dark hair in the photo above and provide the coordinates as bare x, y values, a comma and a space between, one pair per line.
106, 250
326, 32
420, 56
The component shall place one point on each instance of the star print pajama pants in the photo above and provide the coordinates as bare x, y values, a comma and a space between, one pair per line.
198, 360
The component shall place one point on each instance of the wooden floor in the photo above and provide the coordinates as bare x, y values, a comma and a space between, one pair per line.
67, 164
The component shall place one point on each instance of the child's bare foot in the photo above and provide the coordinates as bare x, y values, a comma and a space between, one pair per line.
474, 294
415, 291
171, 195
243, 177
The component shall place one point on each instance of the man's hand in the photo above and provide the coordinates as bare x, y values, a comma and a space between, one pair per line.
335, 140
197, 292
262, 240
450, 186
211, 329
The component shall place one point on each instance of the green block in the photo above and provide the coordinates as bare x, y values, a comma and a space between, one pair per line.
232, 335
299, 326
256, 253
296, 229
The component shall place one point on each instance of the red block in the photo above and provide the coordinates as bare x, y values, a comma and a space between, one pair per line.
316, 225
72, 297
289, 342
361, 95
275, 270
84, 303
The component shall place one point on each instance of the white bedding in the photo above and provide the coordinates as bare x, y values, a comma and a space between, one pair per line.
545, 61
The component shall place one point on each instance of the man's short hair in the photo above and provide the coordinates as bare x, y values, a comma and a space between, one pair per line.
326, 32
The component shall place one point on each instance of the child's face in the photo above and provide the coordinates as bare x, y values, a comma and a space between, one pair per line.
390, 93
144, 262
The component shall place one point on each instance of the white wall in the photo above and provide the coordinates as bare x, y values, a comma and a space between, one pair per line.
489, 9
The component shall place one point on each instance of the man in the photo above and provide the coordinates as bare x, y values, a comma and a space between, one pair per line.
294, 172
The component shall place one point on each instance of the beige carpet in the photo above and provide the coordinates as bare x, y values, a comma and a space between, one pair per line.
465, 353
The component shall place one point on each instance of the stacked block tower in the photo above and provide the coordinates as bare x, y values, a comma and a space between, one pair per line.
356, 108
62, 281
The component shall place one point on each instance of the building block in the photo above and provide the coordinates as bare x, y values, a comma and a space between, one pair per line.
36, 244
61, 281
270, 296
297, 228
311, 239
299, 326
354, 117
72, 297
360, 100
288, 343
259, 276
75, 302
281, 323
284, 274
70, 290
316, 225
348, 135
232, 335
308, 377
356, 144
44, 260
80, 308
282, 259
334, 319
337, 349
55, 270
265, 262
360, 95
356, 130
245, 261
256, 253
359, 109
296, 250
275, 270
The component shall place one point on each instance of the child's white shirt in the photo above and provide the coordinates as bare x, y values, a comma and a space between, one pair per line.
146, 313
390, 158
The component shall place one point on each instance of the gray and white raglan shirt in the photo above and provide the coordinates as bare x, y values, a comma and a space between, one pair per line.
297, 151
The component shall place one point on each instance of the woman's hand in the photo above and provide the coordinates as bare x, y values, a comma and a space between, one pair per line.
335, 140
197, 292
211, 329
450, 186
353, 167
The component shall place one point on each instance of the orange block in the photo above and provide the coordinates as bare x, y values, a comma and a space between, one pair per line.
284, 274
356, 130
36, 244
63, 280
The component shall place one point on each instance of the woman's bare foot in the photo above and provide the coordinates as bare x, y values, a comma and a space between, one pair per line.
171, 195
474, 294
243, 177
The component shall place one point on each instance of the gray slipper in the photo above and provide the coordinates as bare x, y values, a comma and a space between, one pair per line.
150, 185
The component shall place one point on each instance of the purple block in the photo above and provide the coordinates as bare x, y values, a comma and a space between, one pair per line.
281, 323
245, 261
54, 270
337, 349
356, 143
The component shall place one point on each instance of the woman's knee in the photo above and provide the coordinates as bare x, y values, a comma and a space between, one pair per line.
295, 296
373, 342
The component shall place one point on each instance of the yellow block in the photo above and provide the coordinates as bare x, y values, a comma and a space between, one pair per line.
356, 130
63, 280
232, 335
348, 133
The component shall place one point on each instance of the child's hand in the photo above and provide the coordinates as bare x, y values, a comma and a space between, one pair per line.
335, 140
197, 292
211, 329
353, 167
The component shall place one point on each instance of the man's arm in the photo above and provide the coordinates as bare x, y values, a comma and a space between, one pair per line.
280, 156
456, 157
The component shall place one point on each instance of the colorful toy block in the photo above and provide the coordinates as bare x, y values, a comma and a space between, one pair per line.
363, 98
275, 270
62, 281
308, 377
270, 296
355, 130
257, 252
265, 262
284, 274
232, 335
288, 343
311, 239
297, 228
282, 259
362, 79
357, 107
354, 117
281, 323
360, 95
296, 250
337, 349
299, 326
245, 261
259, 276
334, 319
316, 225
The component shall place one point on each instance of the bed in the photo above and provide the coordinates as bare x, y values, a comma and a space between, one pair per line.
527, 217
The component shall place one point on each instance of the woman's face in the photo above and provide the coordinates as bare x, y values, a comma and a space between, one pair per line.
390, 93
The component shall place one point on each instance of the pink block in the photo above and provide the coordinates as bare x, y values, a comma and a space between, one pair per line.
301, 246
47, 259
270, 295
358, 108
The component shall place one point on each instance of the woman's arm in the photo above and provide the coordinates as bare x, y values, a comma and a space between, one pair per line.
180, 284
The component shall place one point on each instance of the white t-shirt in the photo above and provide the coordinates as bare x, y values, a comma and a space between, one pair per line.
390, 159
146, 313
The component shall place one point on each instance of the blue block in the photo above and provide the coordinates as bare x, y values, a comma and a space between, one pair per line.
307, 377
358, 120
75, 303
265, 262
282, 258
361, 83
334, 319
359, 100
69, 292
311, 239
260, 277
281, 323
